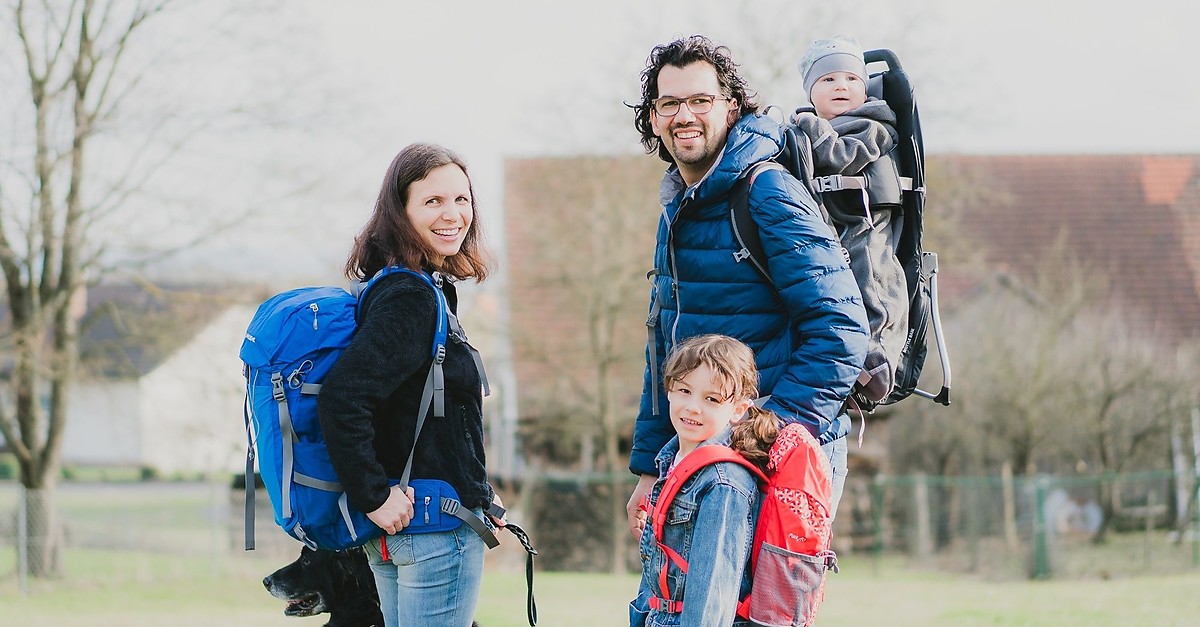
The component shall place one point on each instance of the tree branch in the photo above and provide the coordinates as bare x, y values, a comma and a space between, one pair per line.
8, 428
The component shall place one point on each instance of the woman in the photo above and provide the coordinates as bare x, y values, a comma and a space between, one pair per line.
424, 219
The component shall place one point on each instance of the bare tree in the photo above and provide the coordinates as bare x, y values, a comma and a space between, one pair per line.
581, 306
1058, 378
1121, 400
86, 141
72, 56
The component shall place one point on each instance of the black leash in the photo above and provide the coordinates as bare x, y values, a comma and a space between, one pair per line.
523, 537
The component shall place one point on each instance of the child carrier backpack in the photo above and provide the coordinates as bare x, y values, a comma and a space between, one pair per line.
899, 315
292, 342
790, 555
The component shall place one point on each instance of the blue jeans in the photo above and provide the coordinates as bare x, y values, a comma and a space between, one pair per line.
431, 578
837, 451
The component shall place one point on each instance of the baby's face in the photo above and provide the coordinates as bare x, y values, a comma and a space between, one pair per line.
836, 93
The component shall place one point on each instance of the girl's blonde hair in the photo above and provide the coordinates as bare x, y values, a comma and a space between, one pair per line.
735, 374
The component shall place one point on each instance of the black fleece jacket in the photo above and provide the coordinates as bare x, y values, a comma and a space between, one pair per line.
368, 403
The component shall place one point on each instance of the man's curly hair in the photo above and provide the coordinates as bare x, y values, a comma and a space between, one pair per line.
682, 53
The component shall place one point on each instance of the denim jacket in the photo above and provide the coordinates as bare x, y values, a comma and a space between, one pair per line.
715, 510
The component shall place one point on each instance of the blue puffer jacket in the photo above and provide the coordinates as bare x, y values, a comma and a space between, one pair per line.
809, 338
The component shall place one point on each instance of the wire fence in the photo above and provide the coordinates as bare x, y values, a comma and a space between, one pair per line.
1040, 527
199, 521
995, 527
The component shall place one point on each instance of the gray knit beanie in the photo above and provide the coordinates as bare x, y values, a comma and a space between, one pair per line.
839, 54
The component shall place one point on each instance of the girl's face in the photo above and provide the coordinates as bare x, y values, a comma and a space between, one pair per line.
836, 93
700, 409
439, 207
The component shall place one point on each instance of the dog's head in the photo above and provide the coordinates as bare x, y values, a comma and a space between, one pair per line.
337, 582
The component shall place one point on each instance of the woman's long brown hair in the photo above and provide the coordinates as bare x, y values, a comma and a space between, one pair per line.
389, 237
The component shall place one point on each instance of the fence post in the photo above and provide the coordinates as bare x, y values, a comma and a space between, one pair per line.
22, 540
975, 498
1196, 529
1196, 486
924, 534
1150, 503
1010, 506
877, 494
1041, 562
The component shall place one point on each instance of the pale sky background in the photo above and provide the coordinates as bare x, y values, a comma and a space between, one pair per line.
529, 77
355, 81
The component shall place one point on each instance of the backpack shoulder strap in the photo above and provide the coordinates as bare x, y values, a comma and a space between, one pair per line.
796, 159
745, 230
434, 281
688, 466
433, 397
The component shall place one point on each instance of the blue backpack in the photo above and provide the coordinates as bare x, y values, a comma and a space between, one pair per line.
292, 342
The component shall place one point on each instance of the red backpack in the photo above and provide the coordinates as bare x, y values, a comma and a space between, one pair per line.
791, 554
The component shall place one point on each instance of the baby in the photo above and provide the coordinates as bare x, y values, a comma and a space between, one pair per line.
851, 135
848, 130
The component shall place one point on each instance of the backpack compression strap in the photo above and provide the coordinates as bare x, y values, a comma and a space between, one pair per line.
692, 462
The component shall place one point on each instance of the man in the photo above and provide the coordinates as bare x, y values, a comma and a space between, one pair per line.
809, 330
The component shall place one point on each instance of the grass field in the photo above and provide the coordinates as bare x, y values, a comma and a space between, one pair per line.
122, 589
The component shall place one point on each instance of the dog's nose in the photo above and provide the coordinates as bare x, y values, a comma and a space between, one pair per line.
267, 582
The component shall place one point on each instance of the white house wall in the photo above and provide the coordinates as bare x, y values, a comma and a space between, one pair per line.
102, 425
192, 402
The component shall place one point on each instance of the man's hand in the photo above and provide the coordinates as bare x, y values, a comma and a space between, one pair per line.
636, 508
396, 512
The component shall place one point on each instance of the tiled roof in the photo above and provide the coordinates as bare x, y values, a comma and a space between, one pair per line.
128, 329
1135, 219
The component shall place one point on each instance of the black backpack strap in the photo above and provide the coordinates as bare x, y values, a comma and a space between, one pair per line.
250, 453
651, 344
456, 332
794, 158
745, 230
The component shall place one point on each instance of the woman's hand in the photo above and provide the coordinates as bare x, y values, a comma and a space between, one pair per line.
396, 512
503, 519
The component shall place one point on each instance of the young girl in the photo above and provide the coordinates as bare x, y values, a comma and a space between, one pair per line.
424, 219
711, 383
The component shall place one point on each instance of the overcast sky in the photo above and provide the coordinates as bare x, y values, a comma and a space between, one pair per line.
532, 77
527, 77
1034, 75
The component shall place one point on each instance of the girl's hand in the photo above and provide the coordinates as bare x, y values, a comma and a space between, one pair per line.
636, 508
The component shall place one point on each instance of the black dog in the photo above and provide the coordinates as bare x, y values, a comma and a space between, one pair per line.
337, 582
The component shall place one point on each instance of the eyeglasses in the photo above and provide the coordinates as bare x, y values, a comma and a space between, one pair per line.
698, 104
